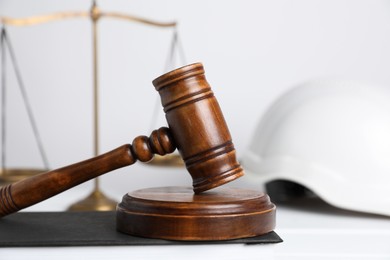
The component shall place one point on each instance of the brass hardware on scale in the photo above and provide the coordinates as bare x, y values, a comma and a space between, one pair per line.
96, 200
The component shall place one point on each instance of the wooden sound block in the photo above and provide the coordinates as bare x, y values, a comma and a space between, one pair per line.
176, 213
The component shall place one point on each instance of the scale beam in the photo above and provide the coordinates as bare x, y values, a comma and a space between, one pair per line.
34, 20
96, 14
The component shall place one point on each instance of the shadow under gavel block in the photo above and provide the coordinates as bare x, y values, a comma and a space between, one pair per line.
176, 213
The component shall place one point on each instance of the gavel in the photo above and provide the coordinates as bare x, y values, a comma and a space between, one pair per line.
196, 127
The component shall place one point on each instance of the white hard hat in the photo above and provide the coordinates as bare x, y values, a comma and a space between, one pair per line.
332, 137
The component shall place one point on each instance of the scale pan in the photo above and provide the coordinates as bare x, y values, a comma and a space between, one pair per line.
170, 160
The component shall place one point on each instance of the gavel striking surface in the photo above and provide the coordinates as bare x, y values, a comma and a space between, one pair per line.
176, 213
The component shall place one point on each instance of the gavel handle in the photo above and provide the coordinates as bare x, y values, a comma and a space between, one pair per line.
30, 191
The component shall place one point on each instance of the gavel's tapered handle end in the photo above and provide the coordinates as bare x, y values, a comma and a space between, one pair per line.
30, 191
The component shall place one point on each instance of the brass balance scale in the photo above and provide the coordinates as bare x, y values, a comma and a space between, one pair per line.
96, 200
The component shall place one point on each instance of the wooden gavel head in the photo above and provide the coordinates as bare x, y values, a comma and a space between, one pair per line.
198, 127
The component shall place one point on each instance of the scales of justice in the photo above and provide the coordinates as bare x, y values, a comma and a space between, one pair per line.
197, 128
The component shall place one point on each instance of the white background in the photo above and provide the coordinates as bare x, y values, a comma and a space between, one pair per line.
252, 52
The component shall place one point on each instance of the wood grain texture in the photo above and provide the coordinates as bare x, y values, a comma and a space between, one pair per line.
198, 127
177, 213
